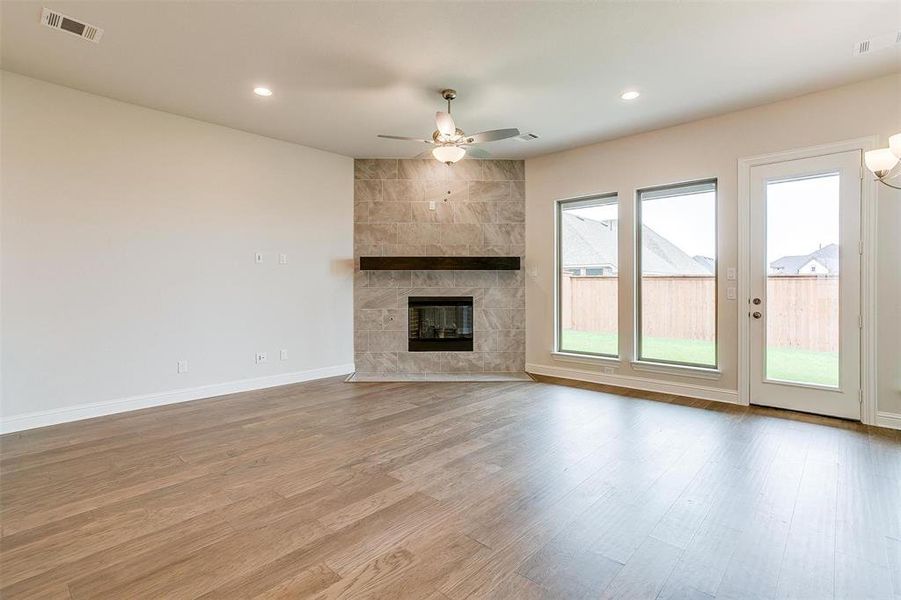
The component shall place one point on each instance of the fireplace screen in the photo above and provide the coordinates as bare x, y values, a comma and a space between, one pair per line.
440, 324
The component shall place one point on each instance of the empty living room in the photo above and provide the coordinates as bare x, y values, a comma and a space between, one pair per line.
450, 300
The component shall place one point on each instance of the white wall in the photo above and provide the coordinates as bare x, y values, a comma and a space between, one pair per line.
703, 149
128, 241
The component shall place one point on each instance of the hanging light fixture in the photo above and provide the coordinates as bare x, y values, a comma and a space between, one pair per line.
448, 154
883, 161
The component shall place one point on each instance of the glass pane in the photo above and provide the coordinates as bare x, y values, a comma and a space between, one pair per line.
802, 323
678, 275
589, 272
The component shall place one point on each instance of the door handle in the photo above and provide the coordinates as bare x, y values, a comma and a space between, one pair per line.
756, 314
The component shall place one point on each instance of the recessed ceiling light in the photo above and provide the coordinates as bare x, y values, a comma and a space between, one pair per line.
630, 95
261, 91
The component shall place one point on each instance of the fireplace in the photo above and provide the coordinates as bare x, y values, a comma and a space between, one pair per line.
441, 323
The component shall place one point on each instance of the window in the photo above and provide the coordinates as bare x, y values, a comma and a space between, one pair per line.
676, 295
588, 276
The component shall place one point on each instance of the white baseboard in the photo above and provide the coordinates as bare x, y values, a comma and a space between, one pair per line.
638, 383
99, 409
887, 419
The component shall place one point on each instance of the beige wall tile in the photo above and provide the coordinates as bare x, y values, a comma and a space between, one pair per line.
504, 233
368, 190
489, 191
418, 362
513, 211
426, 169
402, 191
475, 279
511, 341
419, 233
387, 341
380, 233
474, 212
390, 212
446, 191
460, 234
370, 297
439, 279
390, 279
372, 362
503, 170
375, 168
442, 213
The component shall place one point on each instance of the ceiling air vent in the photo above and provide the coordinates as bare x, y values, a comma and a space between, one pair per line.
879, 42
56, 20
527, 137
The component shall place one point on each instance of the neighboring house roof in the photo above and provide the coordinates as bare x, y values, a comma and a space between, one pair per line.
791, 265
593, 243
706, 262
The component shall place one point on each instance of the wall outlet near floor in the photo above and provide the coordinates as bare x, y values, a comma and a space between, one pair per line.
282, 259
260, 357
283, 355
608, 371
182, 367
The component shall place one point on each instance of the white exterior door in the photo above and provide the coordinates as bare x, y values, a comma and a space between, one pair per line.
804, 305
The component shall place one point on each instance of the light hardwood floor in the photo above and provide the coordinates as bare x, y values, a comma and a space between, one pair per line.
448, 490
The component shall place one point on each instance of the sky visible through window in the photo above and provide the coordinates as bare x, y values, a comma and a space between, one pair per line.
802, 216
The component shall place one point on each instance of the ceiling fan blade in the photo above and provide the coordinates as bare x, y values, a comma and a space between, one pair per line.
472, 152
445, 123
491, 136
401, 137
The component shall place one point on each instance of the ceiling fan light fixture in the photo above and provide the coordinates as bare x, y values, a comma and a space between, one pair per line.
448, 154
894, 144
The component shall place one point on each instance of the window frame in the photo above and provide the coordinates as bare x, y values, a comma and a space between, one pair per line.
637, 276
601, 199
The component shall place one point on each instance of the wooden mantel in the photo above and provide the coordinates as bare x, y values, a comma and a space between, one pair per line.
439, 263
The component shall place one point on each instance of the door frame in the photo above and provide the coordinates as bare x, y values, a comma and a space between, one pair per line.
868, 220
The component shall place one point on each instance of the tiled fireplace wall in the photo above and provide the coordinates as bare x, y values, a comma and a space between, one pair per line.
479, 211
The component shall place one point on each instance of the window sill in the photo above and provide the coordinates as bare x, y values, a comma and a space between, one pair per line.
575, 357
682, 370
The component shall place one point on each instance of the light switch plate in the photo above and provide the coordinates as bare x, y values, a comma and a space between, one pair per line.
283, 355
258, 257
182, 366
730, 293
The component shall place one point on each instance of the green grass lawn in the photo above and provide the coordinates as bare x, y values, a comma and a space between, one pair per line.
784, 364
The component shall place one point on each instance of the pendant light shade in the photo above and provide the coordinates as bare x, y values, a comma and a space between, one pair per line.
881, 161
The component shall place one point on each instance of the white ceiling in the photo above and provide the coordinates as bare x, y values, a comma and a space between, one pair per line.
343, 72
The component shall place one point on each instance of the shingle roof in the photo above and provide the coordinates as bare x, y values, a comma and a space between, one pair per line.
791, 265
593, 243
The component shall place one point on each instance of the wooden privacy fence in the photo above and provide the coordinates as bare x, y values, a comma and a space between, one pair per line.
802, 311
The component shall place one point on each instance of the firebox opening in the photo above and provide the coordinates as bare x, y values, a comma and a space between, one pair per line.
440, 324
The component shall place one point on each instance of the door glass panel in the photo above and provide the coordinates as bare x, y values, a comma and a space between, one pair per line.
802, 297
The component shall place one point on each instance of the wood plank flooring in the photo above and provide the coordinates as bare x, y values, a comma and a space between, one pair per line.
444, 491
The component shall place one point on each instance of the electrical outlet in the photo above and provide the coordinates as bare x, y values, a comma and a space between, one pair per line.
608, 371
431, 205
182, 367
258, 257
730, 273
260, 357
283, 355
282, 259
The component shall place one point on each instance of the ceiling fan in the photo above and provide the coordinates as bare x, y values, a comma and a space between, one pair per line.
451, 144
